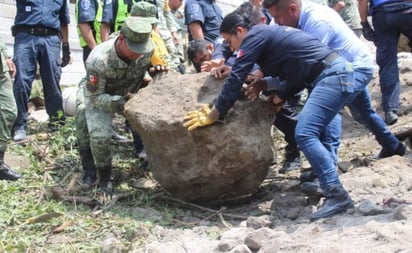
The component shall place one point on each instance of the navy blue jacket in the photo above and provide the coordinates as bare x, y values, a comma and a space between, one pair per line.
291, 54
208, 13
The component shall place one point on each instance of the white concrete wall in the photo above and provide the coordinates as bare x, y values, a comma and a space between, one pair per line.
228, 6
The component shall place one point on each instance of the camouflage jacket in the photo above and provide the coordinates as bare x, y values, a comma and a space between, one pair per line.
109, 78
3, 56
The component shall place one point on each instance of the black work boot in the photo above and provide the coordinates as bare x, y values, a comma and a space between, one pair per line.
337, 201
307, 176
105, 183
89, 168
292, 162
312, 189
391, 117
55, 123
400, 150
6, 173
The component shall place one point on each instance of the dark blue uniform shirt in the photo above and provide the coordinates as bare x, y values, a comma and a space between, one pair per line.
87, 10
219, 45
208, 14
109, 8
282, 51
42, 13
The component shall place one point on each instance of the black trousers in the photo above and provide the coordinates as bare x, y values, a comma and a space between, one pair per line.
286, 120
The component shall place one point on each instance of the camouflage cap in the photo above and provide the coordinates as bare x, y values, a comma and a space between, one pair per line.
145, 10
137, 32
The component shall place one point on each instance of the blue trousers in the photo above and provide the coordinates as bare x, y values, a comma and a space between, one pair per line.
318, 128
389, 21
30, 50
362, 111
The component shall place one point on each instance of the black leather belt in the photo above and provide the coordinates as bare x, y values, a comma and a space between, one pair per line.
33, 30
325, 63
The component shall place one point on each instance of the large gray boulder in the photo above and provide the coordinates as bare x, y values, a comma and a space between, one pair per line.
227, 159
403, 44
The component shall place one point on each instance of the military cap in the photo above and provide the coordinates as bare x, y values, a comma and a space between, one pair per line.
137, 32
145, 10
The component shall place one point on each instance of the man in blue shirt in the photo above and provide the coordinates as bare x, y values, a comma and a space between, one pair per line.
203, 19
390, 18
41, 31
89, 17
326, 25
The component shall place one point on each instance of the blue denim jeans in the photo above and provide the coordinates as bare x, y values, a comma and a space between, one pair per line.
389, 21
318, 129
30, 50
362, 111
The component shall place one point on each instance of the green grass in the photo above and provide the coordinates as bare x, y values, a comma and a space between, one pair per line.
51, 161
54, 166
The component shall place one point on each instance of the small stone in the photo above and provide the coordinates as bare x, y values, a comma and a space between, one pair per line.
111, 245
403, 212
367, 207
344, 166
258, 222
256, 239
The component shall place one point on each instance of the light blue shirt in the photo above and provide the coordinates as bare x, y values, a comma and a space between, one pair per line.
325, 24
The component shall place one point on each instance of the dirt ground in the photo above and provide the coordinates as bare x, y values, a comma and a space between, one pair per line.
276, 217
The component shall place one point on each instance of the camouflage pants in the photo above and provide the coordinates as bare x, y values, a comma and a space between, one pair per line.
93, 129
8, 110
181, 48
173, 52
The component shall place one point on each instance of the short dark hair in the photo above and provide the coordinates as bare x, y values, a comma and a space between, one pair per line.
251, 11
269, 3
195, 47
233, 20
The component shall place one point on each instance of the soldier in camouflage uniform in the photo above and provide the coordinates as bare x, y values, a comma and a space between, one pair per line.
8, 110
168, 31
179, 19
348, 10
160, 55
115, 69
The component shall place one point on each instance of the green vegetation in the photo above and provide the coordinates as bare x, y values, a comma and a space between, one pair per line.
61, 225
47, 211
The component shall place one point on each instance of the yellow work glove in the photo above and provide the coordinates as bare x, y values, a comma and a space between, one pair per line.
198, 118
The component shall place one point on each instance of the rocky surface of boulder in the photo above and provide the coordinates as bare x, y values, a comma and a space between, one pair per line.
229, 158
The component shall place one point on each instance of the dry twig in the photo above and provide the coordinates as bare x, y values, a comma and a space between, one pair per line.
60, 194
202, 208
63, 226
73, 181
42, 217
46, 176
